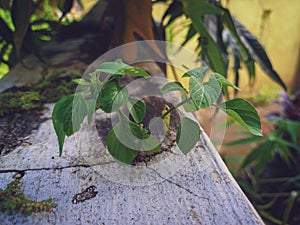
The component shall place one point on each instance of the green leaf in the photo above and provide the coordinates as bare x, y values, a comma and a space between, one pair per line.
200, 8
91, 108
111, 98
135, 129
137, 109
261, 154
119, 68
244, 113
20, 12
245, 141
190, 105
151, 144
290, 204
282, 142
172, 86
67, 116
117, 149
62, 113
79, 111
198, 72
257, 51
81, 81
135, 72
223, 81
59, 129
195, 9
112, 67
204, 94
188, 134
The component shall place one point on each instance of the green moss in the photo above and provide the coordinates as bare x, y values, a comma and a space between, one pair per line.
13, 200
18, 101
50, 89
54, 86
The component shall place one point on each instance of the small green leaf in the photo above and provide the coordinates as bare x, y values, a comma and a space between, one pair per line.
172, 86
204, 94
119, 68
91, 108
115, 68
198, 72
79, 111
244, 113
223, 81
188, 134
117, 149
135, 129
81, 81
190, 105
137, 109
135, 72
111, 98
130, 134
151, 144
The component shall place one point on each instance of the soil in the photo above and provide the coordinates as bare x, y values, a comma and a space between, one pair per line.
15, 128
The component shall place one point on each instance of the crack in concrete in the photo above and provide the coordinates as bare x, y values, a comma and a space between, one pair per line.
178, 185
54, 168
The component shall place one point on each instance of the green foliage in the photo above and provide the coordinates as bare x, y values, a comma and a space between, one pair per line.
128, 137
270, 175
25, 25
13, 200
220, 35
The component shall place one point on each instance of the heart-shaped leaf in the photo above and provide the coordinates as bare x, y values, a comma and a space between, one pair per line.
204, 94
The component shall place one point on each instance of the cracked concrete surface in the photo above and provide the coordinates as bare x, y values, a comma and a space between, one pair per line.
174, 189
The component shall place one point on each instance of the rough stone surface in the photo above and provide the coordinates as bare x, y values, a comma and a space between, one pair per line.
173, 189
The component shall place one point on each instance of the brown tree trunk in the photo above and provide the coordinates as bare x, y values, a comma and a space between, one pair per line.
131, 20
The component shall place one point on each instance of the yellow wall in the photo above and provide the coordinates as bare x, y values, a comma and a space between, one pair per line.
279, 33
